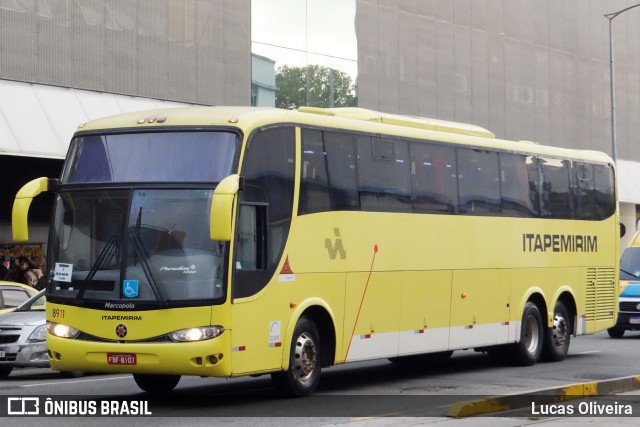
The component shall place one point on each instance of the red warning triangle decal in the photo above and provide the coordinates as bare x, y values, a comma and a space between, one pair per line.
286, 268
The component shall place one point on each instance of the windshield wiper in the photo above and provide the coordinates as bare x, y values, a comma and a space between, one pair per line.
104, 254
109, 251
139, 249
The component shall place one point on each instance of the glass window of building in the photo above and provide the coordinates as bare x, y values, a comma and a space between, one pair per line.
304, 53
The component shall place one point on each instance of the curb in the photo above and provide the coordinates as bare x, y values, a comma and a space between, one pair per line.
552, 395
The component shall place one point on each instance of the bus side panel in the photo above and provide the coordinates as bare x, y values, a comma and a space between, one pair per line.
257, 338
475, 319
543, 281
372, 315
425, 311
261, 322
600, 300
506, 329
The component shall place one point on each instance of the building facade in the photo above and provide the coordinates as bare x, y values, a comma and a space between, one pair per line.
525, 70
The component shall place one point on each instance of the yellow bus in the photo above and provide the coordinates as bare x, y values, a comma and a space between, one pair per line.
231, 241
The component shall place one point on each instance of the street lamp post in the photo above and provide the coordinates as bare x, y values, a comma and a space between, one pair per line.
610, 17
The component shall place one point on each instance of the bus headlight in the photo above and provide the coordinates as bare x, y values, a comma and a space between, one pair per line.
60, 330
196, 334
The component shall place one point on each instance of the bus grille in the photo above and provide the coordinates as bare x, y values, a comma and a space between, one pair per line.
600, 298
87, 337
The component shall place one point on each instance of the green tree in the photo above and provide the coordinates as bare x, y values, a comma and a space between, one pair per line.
314, 86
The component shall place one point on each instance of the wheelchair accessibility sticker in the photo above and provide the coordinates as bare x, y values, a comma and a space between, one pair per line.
130, 288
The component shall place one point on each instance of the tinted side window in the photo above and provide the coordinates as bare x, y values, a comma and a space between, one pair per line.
595, 191
329, 174
269, 165
605, 191
434, 185
383, 175
586, 192
515, 181
478, 182
535, 179
268, 170
342, 170
314, 184
556, 197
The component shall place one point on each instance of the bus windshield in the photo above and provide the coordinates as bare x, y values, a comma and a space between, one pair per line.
135, 245
151, 157
132, 226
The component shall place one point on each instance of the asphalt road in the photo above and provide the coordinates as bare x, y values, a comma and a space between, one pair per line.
366, 390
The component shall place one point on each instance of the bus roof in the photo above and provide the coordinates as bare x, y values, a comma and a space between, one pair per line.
358, 119
399, 120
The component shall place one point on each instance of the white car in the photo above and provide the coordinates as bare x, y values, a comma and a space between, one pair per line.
23, 334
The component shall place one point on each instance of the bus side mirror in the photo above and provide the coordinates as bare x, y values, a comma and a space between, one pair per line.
220, 217
623, 230
22, 202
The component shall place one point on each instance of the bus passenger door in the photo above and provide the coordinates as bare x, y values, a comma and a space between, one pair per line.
259, 313
474, 308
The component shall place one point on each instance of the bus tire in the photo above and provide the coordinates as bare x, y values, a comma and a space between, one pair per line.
303, 374
5, 371
527, 351
615, 332
558, 337
156, 383
71, 374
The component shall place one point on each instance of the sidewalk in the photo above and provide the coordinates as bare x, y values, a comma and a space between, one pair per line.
584, 401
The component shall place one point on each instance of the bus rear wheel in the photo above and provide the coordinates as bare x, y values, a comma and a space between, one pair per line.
303, 374
156, 383
558, 337
527, 351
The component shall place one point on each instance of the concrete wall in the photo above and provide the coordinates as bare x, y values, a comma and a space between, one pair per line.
536, 70
193, 51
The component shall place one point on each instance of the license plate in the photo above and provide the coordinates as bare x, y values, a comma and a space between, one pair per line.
634, 320
122, 358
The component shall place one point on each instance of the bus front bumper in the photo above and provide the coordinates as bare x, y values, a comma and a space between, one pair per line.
210, 358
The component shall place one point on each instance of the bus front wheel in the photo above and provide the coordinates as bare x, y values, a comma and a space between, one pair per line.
527, 351
303, 374
156, 383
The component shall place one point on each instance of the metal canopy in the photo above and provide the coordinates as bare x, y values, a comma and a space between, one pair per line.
39, 121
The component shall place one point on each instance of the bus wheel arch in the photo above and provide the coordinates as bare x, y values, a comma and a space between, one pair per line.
311, 346
326, 331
